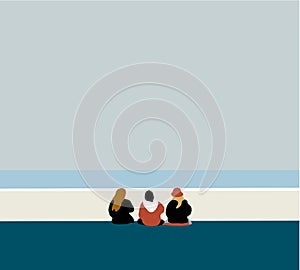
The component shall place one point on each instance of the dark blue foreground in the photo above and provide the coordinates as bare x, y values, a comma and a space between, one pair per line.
101, 245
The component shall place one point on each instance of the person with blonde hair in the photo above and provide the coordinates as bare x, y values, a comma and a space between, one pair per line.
119, 208
178, 209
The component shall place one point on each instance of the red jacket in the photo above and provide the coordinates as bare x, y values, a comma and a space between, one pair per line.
150, 217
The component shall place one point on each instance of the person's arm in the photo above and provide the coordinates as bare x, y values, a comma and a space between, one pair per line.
161, 208
169, 209
140, 211
188, 209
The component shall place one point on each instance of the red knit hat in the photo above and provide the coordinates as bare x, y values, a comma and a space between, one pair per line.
176, 192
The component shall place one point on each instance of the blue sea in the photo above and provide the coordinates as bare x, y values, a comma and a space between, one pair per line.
117, 178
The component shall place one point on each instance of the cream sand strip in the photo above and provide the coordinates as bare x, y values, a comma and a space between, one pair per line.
84, 205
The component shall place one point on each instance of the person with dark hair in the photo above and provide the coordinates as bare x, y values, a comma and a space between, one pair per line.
119, 208
178, 209
150, 211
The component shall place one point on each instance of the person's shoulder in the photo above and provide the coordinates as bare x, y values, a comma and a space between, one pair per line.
160, 207
185, 203
172, 202
110, 206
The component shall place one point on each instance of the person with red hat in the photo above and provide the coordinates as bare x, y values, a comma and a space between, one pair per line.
178, 209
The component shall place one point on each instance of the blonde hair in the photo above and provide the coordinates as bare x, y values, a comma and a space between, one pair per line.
179, 200
118, 199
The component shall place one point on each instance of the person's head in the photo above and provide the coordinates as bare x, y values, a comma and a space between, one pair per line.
149, 196
177, 192
118, 199
177, 196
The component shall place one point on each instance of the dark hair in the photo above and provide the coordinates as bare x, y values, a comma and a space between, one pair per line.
149, 196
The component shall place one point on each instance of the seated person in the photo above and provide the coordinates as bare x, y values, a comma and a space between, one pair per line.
119, 208
178, 210
150, 211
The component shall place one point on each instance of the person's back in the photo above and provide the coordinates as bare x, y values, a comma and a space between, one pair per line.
180, 214
178, 208
119, 208
150, 211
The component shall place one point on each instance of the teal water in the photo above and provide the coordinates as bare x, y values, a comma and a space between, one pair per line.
101, 245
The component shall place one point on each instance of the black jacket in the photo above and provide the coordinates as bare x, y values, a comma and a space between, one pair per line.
121, 216
178, 215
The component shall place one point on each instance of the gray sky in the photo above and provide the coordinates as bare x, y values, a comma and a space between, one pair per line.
246, 53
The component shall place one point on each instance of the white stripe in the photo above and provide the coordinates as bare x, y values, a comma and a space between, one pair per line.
83, 205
